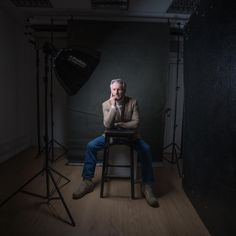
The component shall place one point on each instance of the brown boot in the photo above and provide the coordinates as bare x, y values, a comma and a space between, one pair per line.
149, 195
86, 186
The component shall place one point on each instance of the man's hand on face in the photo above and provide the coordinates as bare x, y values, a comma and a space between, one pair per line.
113, 100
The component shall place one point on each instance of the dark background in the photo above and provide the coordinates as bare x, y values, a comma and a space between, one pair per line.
210, 111
134, 51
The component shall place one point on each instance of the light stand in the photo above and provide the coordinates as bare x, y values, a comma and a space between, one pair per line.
38, 102
37, 96
47, 169
53, 140
173, 144
32, 41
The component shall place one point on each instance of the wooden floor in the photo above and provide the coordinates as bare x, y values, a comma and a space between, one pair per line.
115, 215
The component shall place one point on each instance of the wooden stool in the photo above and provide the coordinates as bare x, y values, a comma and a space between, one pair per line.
119, 137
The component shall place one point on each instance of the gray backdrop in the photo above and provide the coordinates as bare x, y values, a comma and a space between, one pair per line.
134, 51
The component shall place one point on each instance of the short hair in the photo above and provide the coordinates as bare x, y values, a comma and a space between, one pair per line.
119, 81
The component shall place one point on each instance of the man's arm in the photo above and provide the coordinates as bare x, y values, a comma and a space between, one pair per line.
134, 122
108, 115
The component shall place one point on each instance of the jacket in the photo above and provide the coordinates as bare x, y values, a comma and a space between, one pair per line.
129, 116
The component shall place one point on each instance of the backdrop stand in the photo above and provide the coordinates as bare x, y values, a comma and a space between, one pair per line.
174, 146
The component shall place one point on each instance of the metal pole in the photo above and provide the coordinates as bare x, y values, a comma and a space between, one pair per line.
38, 101
176, 96
51, 96
46, 121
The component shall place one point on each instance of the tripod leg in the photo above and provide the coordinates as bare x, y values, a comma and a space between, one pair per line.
68, 180
60, 155
59, 144
49, 146
177, 146
20, 189
64, 149
51, 149
177, 163
167, 146
58, 180
61, 197
173, 154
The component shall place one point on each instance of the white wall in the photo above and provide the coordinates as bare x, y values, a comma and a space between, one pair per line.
17, 88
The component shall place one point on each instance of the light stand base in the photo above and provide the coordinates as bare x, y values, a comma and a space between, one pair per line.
174, 156
51, 145
51, 149
49, 193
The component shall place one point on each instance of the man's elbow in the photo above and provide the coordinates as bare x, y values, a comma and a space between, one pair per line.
107, 125
136, 125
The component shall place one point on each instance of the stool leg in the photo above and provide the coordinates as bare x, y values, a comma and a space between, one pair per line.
106, 164
104, 170
132, 172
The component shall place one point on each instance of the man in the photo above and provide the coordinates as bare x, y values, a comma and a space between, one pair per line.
119, 111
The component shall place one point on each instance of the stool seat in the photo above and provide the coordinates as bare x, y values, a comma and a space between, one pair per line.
118, 137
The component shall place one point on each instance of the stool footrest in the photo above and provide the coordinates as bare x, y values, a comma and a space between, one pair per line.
116, 177
111, 165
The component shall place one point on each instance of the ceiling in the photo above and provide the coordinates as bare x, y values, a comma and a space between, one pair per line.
137, 10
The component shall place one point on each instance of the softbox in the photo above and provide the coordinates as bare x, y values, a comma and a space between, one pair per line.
73, 68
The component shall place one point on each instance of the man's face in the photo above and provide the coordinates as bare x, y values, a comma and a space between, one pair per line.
117, 90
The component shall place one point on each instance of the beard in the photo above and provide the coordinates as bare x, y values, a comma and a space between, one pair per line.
120, 99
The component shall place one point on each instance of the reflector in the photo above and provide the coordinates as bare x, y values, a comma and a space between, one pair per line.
73, 67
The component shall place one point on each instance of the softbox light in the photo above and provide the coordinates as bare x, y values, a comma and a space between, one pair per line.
73, 67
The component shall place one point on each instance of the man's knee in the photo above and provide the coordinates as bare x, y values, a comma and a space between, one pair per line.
90, 145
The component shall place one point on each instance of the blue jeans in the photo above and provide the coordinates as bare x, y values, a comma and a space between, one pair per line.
98, 143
